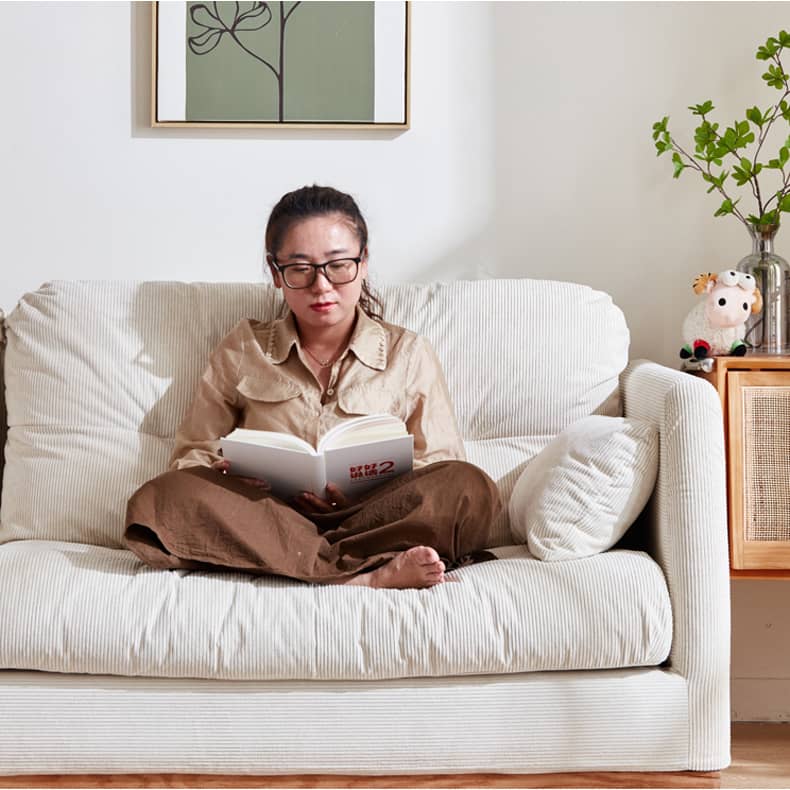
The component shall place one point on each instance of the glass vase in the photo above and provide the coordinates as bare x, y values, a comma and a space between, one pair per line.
768, 332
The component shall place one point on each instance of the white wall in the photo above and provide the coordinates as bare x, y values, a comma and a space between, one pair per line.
530, 154
91, 191
580, 193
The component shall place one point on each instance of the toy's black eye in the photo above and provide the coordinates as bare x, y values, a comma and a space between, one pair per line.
745, 306
734, 274
722, 301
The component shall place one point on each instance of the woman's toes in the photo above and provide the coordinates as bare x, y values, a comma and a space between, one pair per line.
423, 555
417, 567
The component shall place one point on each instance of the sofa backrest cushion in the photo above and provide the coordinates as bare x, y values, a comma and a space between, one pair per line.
99, 375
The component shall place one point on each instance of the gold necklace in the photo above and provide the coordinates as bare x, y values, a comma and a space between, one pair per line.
324, 363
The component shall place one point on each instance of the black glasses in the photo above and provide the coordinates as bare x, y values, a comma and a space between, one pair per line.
302, 275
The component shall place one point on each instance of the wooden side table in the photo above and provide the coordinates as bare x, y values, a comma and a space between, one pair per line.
755, 399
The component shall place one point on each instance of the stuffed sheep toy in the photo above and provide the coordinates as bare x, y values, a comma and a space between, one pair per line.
716, 326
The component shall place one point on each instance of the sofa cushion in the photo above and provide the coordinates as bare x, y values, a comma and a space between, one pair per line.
580, 494
68, 607
99, 375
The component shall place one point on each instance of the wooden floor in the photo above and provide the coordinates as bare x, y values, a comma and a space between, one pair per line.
760, 759
760, 756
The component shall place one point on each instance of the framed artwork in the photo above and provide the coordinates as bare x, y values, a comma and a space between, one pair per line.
281, 65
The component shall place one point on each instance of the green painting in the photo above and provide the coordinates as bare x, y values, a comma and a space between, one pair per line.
296, 62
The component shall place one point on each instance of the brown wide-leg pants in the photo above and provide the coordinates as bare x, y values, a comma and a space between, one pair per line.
200, 519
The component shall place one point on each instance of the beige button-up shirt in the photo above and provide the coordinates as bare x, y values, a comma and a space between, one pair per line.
257, 378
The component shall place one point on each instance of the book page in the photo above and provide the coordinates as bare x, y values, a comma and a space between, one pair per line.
288, 472
370, 428
355, 470
271, 439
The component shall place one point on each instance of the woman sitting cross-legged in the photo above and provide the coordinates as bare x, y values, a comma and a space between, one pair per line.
330, 358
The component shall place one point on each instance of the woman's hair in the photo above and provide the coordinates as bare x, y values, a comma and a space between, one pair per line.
318, 201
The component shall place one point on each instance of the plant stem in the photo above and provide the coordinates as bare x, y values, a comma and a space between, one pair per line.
782, 192
752, 181
713, 147
696, 165
764, 134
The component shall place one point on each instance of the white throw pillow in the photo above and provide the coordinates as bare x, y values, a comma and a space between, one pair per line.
579, 495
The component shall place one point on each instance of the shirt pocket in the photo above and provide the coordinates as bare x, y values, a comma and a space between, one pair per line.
267, 390
364, 399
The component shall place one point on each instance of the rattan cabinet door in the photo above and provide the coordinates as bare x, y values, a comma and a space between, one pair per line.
759, 468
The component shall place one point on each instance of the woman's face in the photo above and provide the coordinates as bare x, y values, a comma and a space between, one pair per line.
317, 240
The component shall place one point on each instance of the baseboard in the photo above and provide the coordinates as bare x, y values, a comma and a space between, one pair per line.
760, 699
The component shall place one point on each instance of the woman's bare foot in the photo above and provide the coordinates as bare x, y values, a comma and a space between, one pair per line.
414, 568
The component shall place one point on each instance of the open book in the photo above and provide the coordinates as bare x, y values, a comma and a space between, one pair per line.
355, 455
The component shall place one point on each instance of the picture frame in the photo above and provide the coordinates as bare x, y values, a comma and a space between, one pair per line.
281, 65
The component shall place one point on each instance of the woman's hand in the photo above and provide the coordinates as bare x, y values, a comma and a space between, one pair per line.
308, 503
223, 465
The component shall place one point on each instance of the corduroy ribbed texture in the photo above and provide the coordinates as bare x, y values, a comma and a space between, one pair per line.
579, 495
113, 365
689, 526
523, 358
114, 615
616, 720
116, 365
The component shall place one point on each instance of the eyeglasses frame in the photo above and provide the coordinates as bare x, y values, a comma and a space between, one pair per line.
316, 266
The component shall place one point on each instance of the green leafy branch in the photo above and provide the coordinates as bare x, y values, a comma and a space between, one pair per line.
713, 147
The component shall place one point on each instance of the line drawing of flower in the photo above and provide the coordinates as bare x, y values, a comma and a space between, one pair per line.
254, 17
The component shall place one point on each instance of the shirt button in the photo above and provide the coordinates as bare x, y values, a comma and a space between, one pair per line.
330, 391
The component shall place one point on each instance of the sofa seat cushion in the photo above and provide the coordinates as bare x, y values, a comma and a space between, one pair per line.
69, 607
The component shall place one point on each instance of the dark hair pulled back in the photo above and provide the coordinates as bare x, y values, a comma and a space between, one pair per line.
316, 201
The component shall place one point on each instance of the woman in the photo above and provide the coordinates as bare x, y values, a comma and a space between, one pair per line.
330, 358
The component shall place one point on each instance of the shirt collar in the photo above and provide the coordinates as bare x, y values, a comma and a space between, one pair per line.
282, 335
368, 340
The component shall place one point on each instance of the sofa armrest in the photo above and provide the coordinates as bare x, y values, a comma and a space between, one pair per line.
687, 520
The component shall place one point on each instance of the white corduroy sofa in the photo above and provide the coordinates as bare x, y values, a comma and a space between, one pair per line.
615, 662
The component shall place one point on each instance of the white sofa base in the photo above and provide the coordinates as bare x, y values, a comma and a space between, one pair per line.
610, 720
